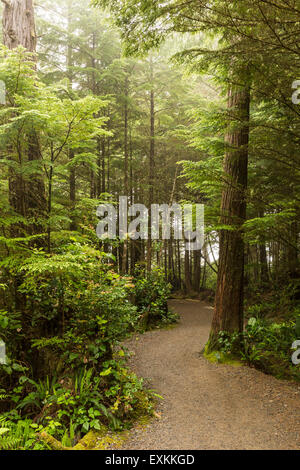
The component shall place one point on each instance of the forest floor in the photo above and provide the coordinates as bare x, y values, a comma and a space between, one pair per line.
207, 405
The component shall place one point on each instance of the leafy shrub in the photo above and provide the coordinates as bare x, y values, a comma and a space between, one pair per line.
76, 308
151, 297
265, 345
71, 406
63, 374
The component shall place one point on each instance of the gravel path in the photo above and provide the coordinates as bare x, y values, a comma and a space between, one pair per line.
209, 406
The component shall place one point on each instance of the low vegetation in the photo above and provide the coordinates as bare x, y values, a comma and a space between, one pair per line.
272, 327
66, 368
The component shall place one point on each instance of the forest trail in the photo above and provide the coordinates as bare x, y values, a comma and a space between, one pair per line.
209, 406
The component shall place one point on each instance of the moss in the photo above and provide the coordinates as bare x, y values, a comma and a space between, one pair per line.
93, 440
89, 441
218, 357
51, 442
105, 439
114, 440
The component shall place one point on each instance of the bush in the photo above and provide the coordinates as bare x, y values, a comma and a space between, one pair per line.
266, 345
65, 371
75, 310
70, 407
151, 297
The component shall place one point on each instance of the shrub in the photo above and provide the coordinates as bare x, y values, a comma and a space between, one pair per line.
76, 308
266, 345
65, 371
151, 297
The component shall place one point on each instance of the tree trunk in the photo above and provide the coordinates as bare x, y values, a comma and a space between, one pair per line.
72, 185
197, 271
228, 315
126, 165
188, 284
179, 264
151, 164
18, 24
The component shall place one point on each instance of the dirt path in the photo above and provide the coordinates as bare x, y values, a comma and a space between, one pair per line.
209, 406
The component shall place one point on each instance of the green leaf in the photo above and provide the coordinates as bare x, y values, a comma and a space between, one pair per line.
106, 372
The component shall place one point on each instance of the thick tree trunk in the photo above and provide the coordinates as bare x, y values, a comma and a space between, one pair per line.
18, 24
228, 315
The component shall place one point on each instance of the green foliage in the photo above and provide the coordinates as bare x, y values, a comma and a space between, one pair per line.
266, 345
77, 311
67, 409
63, 306
77, 308
151, 294
20, 435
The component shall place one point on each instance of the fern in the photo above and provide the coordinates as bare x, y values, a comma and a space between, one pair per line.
16, 436
9, 441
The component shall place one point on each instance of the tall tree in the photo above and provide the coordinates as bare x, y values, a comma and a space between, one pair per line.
26, 197
151, 157
228, 314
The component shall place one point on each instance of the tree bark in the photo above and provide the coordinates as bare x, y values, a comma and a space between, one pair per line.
18, 24
187, 271
228, 315
197, 271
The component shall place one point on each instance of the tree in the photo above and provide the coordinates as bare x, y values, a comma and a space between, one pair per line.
249, 37
19, 24
27, 198
229, 303
229, 306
